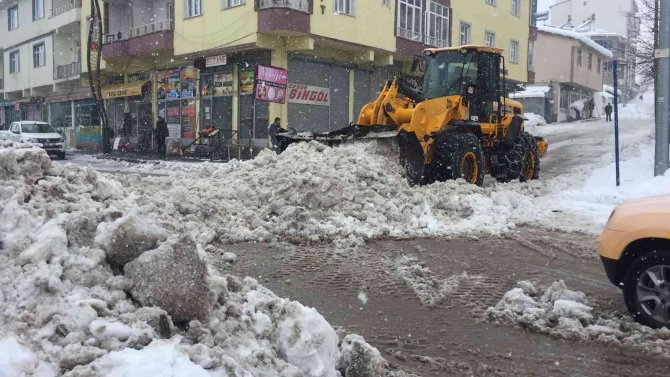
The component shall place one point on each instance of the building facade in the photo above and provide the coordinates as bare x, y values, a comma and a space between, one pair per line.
193, 61
575, 72
615, 24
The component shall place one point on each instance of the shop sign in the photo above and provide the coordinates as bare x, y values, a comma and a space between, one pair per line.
271, 84
215, 61
308, 95
247, 82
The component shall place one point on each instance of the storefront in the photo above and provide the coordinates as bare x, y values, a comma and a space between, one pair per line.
176, 93
130, 101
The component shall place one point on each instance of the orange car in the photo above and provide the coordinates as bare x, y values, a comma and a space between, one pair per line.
635, 250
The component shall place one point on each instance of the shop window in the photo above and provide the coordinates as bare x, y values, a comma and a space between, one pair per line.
409, 19
61, 114
13, 17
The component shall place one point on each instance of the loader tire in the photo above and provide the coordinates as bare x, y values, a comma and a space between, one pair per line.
531, 161
511, 162
458, 155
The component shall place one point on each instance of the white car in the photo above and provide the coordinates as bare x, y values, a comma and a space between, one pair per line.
39, 133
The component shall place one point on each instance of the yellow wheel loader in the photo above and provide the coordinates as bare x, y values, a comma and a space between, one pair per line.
459, 125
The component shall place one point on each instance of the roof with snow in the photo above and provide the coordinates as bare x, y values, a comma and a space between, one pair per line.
531, 92
577, 36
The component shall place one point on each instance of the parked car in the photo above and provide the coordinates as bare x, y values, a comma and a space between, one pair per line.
39, 133
635, 251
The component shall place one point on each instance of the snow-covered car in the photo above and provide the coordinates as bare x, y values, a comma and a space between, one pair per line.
635, 251
39, 133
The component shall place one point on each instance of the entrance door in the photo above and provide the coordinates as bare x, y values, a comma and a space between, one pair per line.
488, 88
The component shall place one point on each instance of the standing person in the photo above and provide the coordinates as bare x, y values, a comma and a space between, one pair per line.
591, 105
608, 112
273, 130
161, 134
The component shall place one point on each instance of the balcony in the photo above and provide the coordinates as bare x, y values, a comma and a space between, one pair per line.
67, 71
134, 41
299, 5
284, 17
63, 7
436, 42
409, 34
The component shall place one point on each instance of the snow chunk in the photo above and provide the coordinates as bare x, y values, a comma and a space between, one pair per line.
15, 359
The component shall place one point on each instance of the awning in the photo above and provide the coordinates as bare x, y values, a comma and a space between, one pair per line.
123, 90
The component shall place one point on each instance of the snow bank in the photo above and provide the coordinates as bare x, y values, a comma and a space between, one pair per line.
567, 314
534, 121
67, 311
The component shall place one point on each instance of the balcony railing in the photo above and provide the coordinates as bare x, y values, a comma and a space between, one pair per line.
138, 31
436, 42
67, 70
64, 6
300, 5
409, 34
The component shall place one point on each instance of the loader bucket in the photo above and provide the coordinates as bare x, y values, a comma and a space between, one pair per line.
411, 157
333, 138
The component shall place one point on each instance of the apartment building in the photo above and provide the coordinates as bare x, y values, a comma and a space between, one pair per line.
41, 59
614, 24
498, 23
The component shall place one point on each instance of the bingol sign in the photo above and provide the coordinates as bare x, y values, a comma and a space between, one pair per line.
214, 61
308, 95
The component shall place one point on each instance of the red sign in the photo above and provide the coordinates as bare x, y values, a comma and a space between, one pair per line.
271, 84
308, 95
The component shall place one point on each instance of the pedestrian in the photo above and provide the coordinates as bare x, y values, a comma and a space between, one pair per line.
273, 130
591, 106
161, 133
608, 112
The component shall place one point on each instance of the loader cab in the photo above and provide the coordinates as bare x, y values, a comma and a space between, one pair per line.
472, 73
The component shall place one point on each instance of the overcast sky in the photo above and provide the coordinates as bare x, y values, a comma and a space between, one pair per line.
543, 5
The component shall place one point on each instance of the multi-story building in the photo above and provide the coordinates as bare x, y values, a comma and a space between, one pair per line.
574, 75
193, 61
499, 23
615, 24
41, 59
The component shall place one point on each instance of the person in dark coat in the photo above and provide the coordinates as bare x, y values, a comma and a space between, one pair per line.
273, 130
161, 134
608, 112
591, 105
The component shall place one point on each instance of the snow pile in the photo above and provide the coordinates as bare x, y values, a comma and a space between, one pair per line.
430, 290
67, 311
531, 92
639, 108
533, 121
313, 193
567, 314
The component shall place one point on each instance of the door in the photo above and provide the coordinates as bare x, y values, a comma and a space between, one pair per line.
487, 102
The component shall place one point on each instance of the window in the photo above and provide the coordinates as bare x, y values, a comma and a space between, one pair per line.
409, 19
514, 52
516, 7
13, 17
489, 39
437, 28
38, 9
39, 55
600, 63
233, 3
193, 8
579, 56
466, 33
492, 2
589, 61
344, 7
14, 62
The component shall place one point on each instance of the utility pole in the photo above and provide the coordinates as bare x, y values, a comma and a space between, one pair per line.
662, 56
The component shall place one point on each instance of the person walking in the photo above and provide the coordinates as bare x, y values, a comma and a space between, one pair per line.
591, 104
161, 133
273, 130
608, 112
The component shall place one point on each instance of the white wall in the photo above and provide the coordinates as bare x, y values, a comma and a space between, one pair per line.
29, 76
28, 28
611, 15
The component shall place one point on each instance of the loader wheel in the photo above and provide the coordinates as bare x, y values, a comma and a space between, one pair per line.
531, 160
411, 157
459, 155
512, 161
